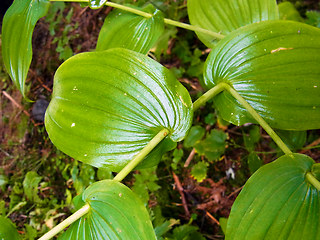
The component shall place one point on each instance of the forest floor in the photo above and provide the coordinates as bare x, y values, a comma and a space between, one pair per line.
180, 190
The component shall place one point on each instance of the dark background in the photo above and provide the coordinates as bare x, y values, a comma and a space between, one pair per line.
4, 5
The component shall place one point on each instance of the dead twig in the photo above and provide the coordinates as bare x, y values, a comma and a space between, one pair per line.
307, 148
14, 102
212, 218
189, 159
181, 192
235, 192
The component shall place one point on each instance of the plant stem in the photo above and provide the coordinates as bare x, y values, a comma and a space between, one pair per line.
149, 15
128, 9
141, 155
259, 119
314, 182
193, 28
121, 175
208, 95
74, 217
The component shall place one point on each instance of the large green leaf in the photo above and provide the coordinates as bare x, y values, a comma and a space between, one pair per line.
277, 202
274, 65
131, 31
106, 106
224, 16
7, 230
17, 28
115, 213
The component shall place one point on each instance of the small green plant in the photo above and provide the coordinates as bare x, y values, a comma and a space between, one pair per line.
118, 109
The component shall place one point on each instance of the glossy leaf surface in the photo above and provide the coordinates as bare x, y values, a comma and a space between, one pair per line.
17, 28
7, 230
274, 65
116, 213
131, 31
225, 16
277, 202
106, 106
95, 4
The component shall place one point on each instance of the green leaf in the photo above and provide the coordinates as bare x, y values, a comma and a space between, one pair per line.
223, 224
225, 16
131, 31
199, 171
30, 186
210, 119
115, 213
145, 182
213, 146
254, 162
165, 227
104, 173
17, 28
252, 138
107, 106
277, 202
187, 232
287, 11
196, 134
7, 230
177, 156
313, 18
295, 140
3, 181
315, 170
274, 65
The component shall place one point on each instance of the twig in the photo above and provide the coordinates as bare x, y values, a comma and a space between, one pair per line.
189, 159
40, 81
82, 12
18, 106
212, 218
181, 191
15, 103
307, 148
235, 192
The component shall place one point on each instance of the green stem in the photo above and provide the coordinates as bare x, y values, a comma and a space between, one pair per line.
208, 95
61, 226
148, 15
193, 28
128, 9
121, 175
141, 155
259, 119
314, 182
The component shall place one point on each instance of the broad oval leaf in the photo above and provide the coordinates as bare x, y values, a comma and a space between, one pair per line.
131, 31
106, 106
116, 213
277, 202
225, 16
274, 65
17, 28
7, 230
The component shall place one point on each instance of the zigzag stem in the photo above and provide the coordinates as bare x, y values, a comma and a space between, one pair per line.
208, 95
141, 155
224, 86
67, 222
119, 177
313, 180
148, 15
